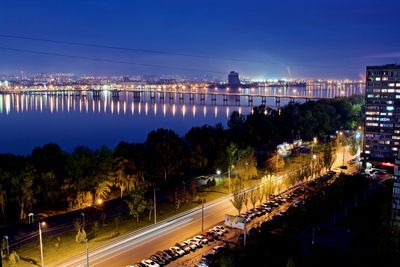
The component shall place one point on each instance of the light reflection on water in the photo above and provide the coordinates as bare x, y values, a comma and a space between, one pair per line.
73, 118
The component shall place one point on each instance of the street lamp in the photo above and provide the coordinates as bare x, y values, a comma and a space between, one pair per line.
41, 242
99, 201
218, 172
87, 253
202, 215
5, 238
30, 217
314, 157
342, 139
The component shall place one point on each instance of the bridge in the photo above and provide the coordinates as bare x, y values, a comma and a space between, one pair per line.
162, 95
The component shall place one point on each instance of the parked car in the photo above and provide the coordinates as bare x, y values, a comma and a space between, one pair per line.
164, 256
192, 245
160, 261
218, 249
201, 238
178, 250
202, 263
216, 231
150, 263
174, 255
222, 228
183, 246
213, 235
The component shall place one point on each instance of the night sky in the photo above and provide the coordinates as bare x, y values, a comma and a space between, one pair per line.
260, 39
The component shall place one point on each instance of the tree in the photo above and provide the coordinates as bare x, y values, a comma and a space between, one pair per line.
122, 180
23, 184
246, 166
3, 199
275, 163
269, 185
231, 155
329, 155
103, 189
165, 152
253, 195
136, 202
261, 194
238, 198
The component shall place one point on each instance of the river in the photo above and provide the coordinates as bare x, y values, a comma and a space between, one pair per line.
82, 118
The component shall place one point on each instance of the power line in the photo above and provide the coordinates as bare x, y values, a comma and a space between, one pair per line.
139, 50
151, 51
106, 60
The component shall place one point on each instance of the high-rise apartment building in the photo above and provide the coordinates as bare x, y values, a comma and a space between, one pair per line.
382, 114
233, 79
396, 195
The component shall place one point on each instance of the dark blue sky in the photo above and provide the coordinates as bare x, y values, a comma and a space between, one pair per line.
271, 39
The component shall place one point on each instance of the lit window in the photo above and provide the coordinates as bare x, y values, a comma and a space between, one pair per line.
377, 78
391, 84
389, 108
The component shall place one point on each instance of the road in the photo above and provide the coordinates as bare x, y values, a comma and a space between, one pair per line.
133, 248
143, 243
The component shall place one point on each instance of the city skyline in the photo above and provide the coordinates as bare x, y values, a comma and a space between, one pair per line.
317, 39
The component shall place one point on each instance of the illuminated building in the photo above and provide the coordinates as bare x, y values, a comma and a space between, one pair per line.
396, 195
233, 79
382, 114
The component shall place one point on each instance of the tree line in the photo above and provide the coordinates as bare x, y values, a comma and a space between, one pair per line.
52, 179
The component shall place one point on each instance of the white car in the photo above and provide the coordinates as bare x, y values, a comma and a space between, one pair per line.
192, 245
198, 243
178, 250
150, 263
201, 238
222, 228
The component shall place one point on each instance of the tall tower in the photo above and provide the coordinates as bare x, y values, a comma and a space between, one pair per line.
233, 79
382, 114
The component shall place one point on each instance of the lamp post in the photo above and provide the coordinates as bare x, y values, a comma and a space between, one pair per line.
342, 139
5, 238
87, 253
41, 242
314, 157
202, 215
30, 218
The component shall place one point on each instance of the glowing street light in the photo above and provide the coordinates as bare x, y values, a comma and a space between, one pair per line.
41, 224
99, 201
218, 172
